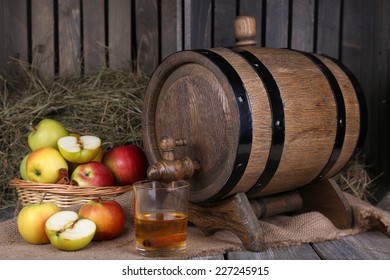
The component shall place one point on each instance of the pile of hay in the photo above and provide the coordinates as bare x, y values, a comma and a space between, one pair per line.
107, 104
357, 180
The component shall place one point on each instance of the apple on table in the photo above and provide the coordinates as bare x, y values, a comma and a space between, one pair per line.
67, 231
108, 216
31, 221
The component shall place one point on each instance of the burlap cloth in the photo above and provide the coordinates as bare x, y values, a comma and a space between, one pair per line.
282, 230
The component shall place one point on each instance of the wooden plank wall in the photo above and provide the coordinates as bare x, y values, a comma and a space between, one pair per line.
62, 37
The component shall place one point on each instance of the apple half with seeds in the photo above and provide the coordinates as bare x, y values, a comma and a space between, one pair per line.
79, 149
67, 231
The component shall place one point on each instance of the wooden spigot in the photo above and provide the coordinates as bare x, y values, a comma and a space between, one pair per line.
245, 31
170, 169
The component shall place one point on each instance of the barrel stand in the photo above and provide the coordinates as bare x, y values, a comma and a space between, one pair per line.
240, 214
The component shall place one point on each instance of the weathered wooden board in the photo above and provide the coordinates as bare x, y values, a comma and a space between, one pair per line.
171, 27
2, 39
303, 25
69, 45
371, 245
375, 75
94, 41
197, 23
223, 29
147, 36
214, 257
42, 36
119, 34
301, 252
278, 24
328, 27
14, 34
365, 50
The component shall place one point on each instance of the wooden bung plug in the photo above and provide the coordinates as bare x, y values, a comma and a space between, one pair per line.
245, 31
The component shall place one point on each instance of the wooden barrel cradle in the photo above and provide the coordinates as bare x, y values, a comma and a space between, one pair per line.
260, 121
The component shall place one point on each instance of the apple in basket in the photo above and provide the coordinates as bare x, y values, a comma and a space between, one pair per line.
43, 165
46, 134
108, 216
31, 221
127, 163
67, 231
93, 174
79, 149
22, 167
98, 158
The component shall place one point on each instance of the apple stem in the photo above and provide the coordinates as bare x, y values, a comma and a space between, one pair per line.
31, 128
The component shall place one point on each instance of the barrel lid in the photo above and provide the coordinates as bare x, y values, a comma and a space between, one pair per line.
190, 97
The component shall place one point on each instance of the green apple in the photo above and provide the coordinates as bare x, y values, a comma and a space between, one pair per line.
46, 134
67, 231
43, 165
31, 221
79, 150
22, 168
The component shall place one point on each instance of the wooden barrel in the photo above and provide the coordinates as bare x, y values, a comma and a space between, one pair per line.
258, 120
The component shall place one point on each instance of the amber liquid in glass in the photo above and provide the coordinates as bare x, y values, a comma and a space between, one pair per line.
161, 231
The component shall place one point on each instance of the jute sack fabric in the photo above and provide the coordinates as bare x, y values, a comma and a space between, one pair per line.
281, 230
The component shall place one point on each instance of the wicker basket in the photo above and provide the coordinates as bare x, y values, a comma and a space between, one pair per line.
63, 195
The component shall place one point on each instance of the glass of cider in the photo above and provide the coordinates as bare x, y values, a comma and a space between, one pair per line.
161, 217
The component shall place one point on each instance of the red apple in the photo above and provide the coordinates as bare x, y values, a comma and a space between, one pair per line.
108, 216
93, 174
127, 163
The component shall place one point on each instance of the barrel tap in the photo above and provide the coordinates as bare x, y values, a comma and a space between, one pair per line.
170, 169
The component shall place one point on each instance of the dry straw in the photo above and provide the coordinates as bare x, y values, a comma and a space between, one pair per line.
357, 181
107, 104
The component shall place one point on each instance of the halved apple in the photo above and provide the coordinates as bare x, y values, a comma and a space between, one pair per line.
67, 231
79, 149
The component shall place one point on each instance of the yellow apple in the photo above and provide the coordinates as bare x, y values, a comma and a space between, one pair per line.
31, 221
43, 165
46, 134
79, 150
67, 231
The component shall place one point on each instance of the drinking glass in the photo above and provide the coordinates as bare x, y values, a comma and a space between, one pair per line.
161, 216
